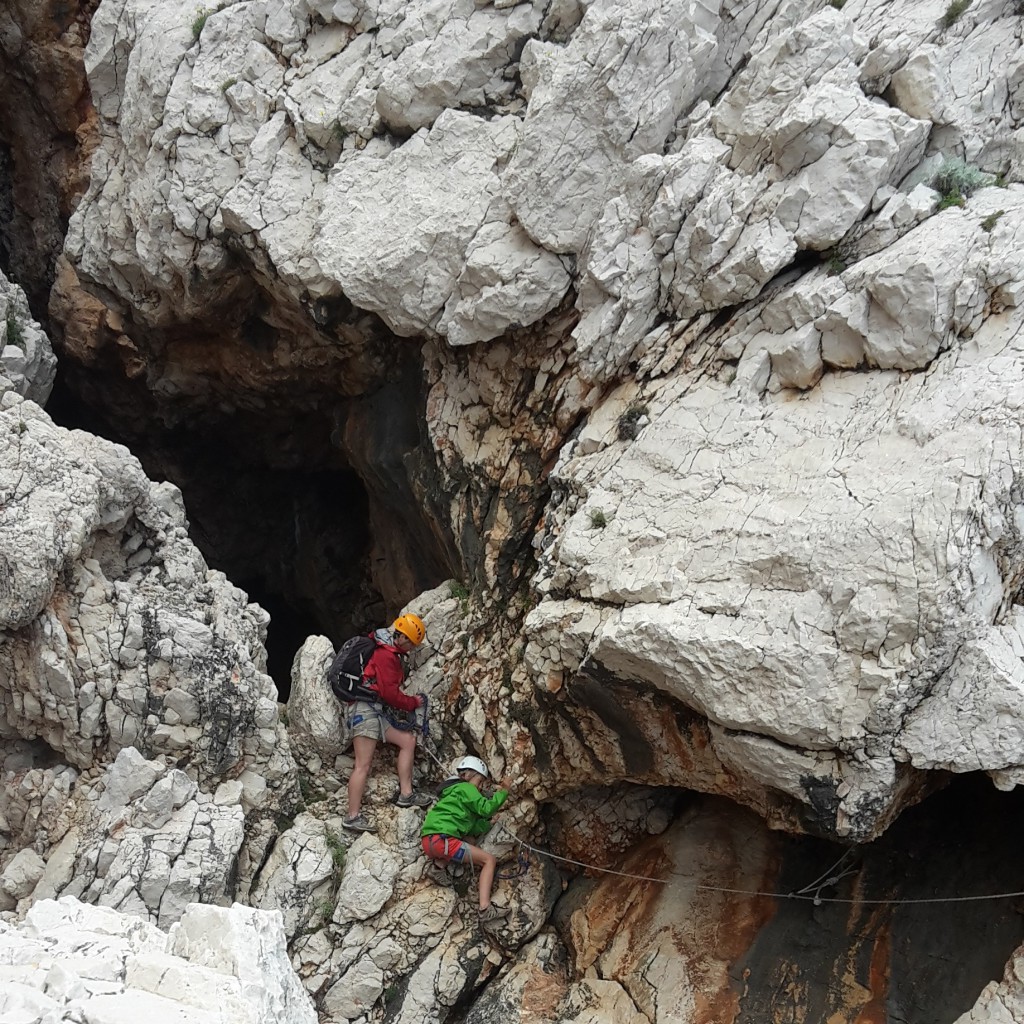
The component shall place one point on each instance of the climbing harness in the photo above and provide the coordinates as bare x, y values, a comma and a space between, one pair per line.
521, 867
426, 741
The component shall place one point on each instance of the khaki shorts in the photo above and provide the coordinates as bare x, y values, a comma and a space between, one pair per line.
364, 719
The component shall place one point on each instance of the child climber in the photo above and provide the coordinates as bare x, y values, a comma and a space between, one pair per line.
462, 810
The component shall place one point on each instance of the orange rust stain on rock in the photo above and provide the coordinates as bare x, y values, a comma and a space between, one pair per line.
874, 1010
541, 996
735, 923
620, 905
858, 999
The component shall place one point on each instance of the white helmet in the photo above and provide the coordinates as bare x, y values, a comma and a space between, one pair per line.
472, 764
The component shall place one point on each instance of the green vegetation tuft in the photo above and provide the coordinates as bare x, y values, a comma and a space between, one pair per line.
953, 12
991, 220
956, 180
199, 22
227, 83
835, 262
598, 520
15, 333
311, 793
337, 849
629, 421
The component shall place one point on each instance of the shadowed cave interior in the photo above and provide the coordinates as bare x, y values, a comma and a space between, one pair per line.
271, 503
922, 962
863, 961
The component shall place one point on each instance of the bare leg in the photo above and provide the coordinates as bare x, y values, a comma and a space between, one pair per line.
406, 743
487, 865
362, 747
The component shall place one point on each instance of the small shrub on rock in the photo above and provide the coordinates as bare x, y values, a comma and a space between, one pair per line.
199, 22
337, 850
991, 220
632, 421
598, 520
953, 12
956, 180
15, 333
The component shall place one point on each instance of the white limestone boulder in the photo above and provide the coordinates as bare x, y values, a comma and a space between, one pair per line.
805, 575
22, 873
26, 358
114, 632
611, 95
69, 960
437, 233
296, 879
368, 882
1000, 1002
316, 720
463, 62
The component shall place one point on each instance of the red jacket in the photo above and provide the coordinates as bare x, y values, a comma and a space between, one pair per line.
385, 674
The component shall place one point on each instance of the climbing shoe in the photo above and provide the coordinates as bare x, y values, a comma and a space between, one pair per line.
358, 823
492, 915
413, 800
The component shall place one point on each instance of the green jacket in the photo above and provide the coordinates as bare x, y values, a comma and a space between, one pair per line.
462, 810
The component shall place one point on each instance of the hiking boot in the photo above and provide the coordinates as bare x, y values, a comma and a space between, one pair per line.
414, 799
358, 823
492, 915
438, 874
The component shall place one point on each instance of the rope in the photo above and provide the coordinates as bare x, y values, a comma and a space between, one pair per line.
802, 895
440, 764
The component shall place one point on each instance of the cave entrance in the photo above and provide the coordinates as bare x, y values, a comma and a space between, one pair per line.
901, 944
895, 962
276, 504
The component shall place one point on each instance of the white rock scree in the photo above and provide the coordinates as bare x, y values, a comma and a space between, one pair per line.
71, 961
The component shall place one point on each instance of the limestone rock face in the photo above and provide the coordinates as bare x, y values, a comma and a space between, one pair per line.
71, 960
142, 838
724, 404
115, 633
829, 581
121, 656
272, 123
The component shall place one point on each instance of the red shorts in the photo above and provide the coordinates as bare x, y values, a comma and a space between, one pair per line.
445, 848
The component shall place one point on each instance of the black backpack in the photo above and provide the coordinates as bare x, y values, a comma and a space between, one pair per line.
346, 672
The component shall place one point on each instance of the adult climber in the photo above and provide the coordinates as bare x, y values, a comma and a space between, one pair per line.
369, 721
463, 810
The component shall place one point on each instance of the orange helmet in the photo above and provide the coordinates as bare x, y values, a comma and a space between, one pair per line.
410, 626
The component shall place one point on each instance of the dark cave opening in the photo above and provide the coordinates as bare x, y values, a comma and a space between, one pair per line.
912, 962
6, 209
894, 937
271, 503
